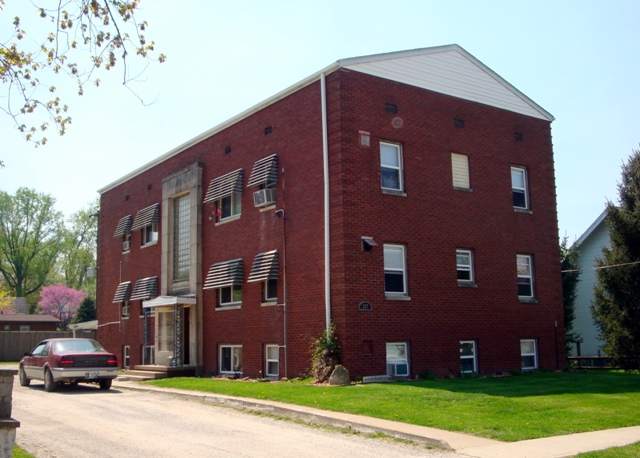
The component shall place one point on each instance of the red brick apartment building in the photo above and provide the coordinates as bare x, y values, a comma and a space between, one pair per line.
409, 198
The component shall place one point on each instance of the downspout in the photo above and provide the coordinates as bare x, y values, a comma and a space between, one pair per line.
327, 239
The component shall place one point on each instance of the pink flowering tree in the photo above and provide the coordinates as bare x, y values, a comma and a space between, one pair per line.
60, 301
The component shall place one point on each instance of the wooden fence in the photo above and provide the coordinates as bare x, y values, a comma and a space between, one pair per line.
14, 344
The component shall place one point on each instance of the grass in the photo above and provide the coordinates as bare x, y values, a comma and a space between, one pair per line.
19, 453
507, 409
630, 451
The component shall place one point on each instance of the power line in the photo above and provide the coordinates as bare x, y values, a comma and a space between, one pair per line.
603, 267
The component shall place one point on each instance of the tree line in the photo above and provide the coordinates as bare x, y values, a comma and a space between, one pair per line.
39, 249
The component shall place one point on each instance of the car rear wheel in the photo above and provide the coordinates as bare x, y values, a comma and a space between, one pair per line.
105, 383
24, 381
49, 384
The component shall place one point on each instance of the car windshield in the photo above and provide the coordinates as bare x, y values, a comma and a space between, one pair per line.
65, 346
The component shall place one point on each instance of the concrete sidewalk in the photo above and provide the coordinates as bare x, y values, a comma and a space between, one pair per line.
466, 444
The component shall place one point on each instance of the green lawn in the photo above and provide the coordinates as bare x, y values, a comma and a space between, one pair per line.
508, 409
630, 451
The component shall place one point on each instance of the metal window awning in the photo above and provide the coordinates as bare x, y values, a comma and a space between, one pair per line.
145, 288
264, 171
164, 301
124, 226
223, 274
265, 267
123, 292
224, 186
146, 216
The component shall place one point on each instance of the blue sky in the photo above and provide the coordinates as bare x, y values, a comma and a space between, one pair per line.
579, 60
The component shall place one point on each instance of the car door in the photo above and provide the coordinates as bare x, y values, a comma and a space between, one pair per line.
36, 359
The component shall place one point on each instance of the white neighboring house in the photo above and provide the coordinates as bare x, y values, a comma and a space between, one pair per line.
590, 246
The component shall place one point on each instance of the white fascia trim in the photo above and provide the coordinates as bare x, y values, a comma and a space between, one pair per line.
220, 127
591, 228
446, 48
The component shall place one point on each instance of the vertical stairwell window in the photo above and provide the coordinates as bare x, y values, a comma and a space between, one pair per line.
181, 237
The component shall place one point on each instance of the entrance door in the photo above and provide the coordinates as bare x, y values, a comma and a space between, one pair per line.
165, 335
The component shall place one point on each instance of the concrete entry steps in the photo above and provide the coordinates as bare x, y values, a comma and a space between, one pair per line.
153, 372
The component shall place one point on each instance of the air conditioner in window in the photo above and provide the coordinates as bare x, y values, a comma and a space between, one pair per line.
126, 245
264, 197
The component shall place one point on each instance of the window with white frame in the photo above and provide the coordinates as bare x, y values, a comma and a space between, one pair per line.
230, 295
525, 276
270, 290
150, 234
460, 171
519, 188
397, 359
464, 266
230, 359
272, 360
391, 166
126, 356
230, 206
468, 357
395, 270
529, 354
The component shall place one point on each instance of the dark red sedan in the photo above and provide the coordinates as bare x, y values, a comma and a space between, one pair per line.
58, 361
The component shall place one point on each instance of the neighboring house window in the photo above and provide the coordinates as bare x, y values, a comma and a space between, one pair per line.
529, 354
7, 327
181, 237
468, 359
460, 171
25, 327
391, 166
125, 309
464, 266
126, 356
395, 270
272, 361
397, 359
519, 188
525, 276
230, 359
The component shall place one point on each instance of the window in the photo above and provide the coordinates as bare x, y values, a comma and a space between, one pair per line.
146, 221
124, 230
150, 234
226, 193
126, 242
25, 327
468, 360
270, 290
397, 359
525, 276
230, 206
230, 295
529, 354
230, 359
460, 171
265, 270
227, 277
464, 265
181, 237
395, 270
264, 176
125, 309
391, 166
272, 363
126, 356
519, 188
